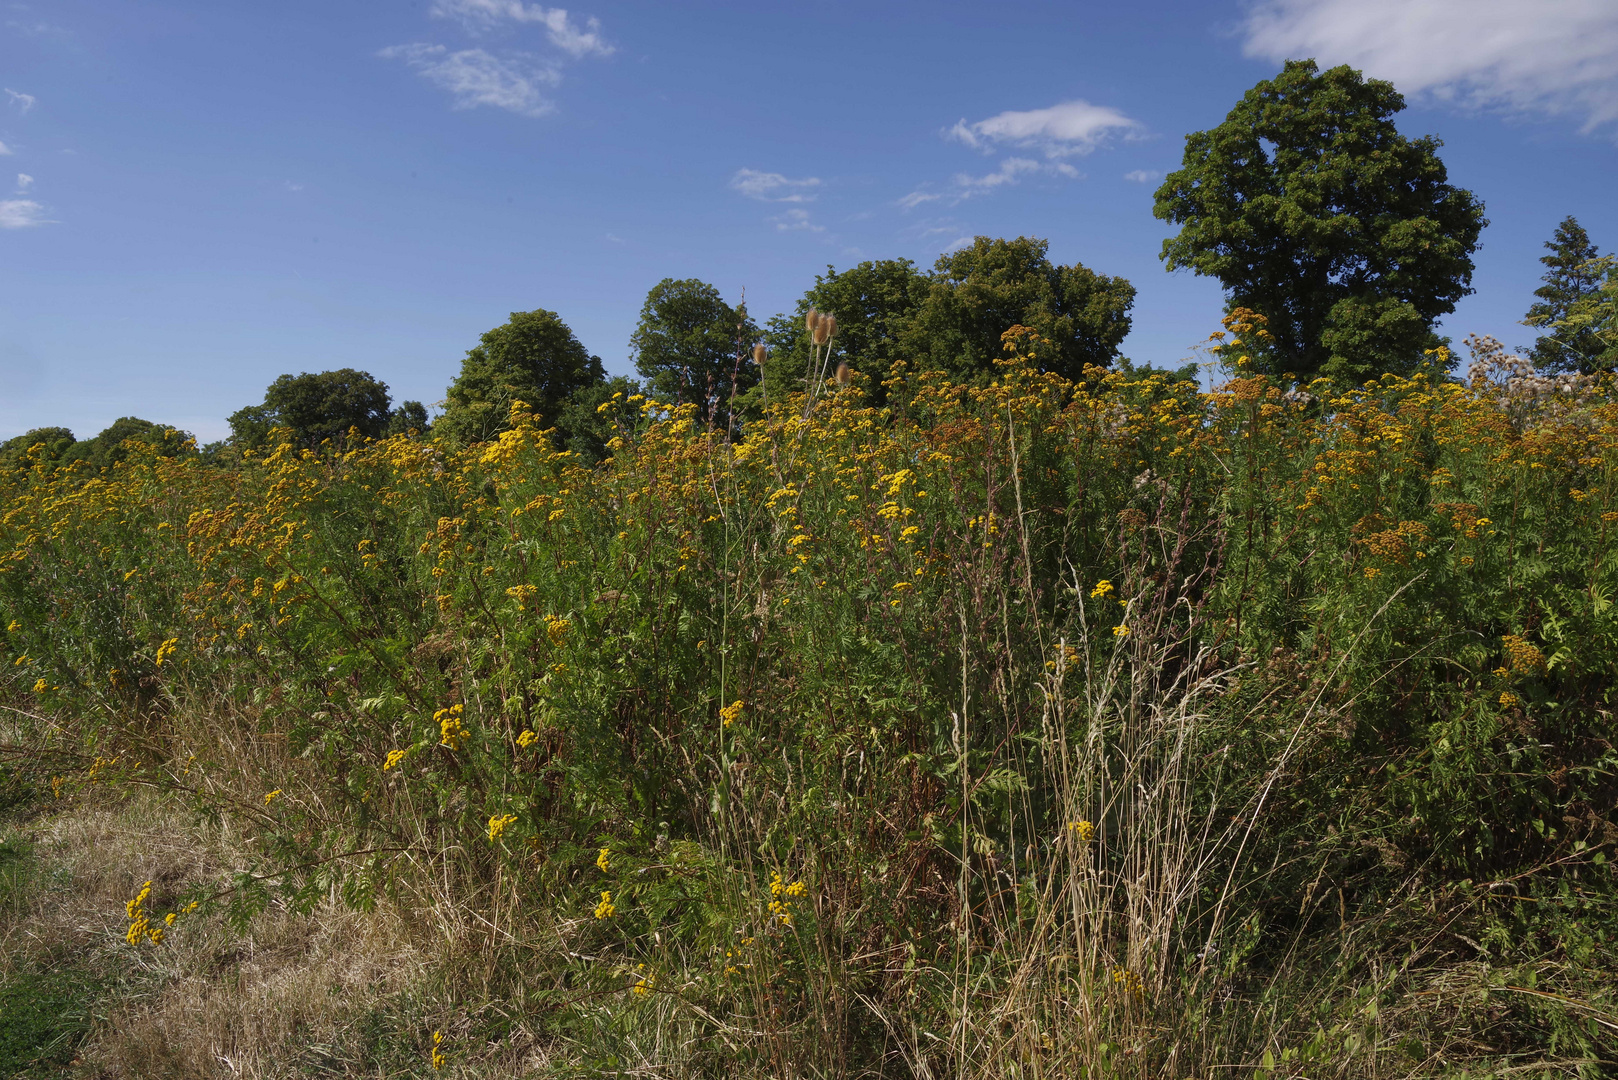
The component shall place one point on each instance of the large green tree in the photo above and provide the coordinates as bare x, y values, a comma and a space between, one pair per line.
533, 358
874, 302
1573, 277
55, 444
1314, 211
112, 444
317, 407
687, 343
978, 293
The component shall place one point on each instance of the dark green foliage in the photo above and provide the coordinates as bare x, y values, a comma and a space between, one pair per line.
409, 416
46, 1016
1314, 211
1571, 275
584, 426
874, 303
694, 348
951, 318
978, 293
317, 408
54, 443
533, 358
109, 447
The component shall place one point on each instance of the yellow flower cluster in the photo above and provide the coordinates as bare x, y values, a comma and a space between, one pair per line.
1128, 981
556, 630
451, 732
728, 714
603, 862
437, 1058
606, 908
527, 739
1524, 657
784, 897
523, 594
1082, 829
1103, 588
140, 923
394, 758
271, 796
497, 825
645, 984
166, 650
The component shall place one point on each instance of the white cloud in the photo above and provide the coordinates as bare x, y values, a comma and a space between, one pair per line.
24, 182
19, 101
1007, 173
958, 243
291, 185
473, 77
1548, 56
796, 221
1072, 127
564, 33
21, 213
916, 198
5, 150
773, 187
1142, 176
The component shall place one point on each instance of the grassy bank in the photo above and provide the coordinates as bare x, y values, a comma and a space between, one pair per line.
1032, 729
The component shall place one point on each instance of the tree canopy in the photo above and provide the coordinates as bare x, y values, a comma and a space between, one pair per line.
317, 407
874, 302
952, 317
1574, 276
978, 293
686, 345
534, 357
1314, 211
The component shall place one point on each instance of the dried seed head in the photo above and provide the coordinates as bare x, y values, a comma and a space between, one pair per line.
759, 353
842, 374
822, 331
812, 320
830, 323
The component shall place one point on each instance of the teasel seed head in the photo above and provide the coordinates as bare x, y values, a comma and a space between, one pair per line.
822, 332
830, 323
842, 374
811, 321
759, 353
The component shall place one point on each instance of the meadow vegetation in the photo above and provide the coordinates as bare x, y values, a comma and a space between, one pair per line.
1027, 727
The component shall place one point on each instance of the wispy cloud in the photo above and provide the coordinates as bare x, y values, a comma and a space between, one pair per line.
1142, 176
292, 185
5, 151
796, 221
1009, 171
773, 187
24, 182
966, 185
1063, 130
916, 198
1550, 56
21, 213
474, 77
957, 244
19, 101
564, 33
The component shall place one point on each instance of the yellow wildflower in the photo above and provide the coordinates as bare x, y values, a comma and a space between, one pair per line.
605, 909
497, 825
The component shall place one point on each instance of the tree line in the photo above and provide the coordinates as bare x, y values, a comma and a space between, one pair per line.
1306, 203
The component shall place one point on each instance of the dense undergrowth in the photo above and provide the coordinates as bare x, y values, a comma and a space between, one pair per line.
1028, 729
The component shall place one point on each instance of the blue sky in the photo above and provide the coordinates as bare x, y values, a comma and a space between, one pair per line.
196, 197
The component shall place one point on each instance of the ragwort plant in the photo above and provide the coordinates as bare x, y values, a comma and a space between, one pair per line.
1034, 728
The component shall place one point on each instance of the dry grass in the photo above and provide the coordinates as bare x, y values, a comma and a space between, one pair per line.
336, 992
